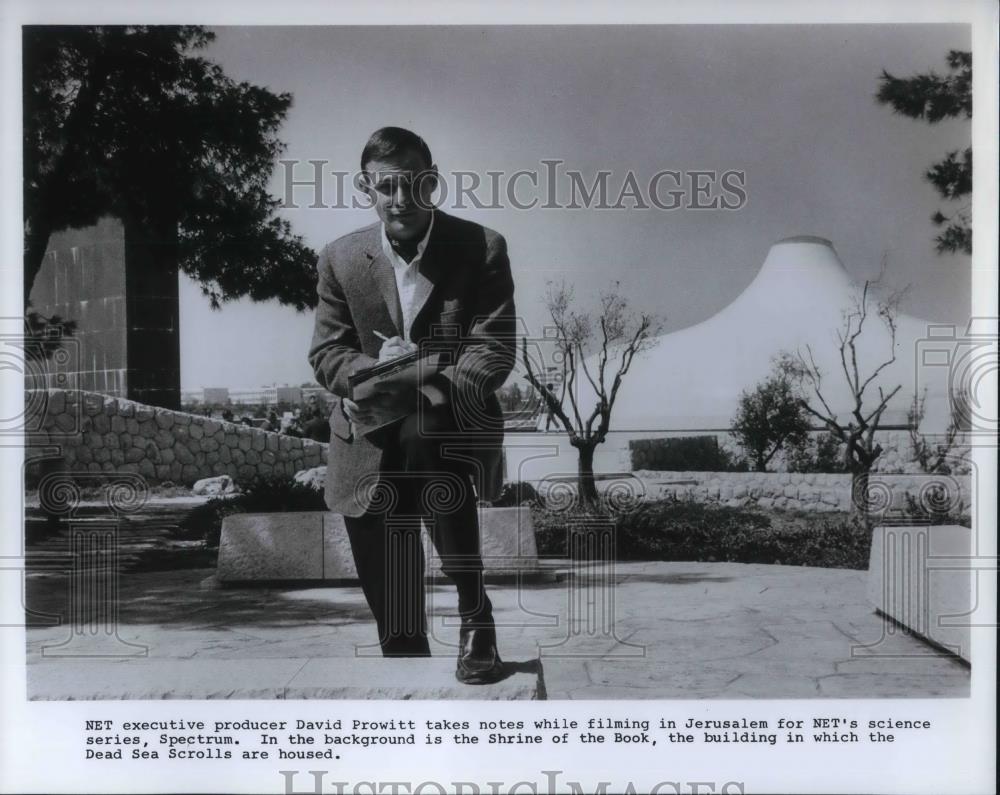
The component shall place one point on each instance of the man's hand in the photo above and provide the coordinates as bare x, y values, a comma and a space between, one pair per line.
395, 347
380, 408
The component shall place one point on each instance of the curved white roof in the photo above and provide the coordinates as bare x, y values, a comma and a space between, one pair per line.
693, 377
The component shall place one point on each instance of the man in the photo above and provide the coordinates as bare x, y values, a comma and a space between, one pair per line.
416, 279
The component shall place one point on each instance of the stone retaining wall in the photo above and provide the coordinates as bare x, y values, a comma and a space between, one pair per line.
91, 433
812, 492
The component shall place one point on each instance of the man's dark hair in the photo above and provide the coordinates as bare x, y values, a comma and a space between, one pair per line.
387, 142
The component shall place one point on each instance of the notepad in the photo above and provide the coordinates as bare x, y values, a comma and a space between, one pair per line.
404, 373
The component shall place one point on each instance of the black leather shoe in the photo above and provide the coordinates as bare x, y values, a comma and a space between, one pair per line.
478, 660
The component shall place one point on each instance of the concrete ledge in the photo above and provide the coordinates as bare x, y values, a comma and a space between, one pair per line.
313, 546
507, 538
921, 577
292, 678
271, 546
408, 679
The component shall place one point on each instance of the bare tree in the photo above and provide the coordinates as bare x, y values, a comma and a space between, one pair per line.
869, 398
610, 340
933, 454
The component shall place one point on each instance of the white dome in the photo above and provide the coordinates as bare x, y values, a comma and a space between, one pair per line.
692, 378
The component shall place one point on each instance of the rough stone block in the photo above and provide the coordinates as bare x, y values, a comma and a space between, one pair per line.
55, 402
246, 551
338, 560
164, 419
93, 404
916, 577
271, 546
507, 537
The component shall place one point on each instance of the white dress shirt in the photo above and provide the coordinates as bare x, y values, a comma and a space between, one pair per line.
413, 287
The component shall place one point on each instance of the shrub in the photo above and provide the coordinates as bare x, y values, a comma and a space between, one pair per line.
690, 531
270, 494
935, 509
553, 526
514, 494
681, 454
824, 453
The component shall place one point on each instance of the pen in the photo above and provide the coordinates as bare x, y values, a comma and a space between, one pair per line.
380, 335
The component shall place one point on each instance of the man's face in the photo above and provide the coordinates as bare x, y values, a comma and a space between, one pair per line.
401, 188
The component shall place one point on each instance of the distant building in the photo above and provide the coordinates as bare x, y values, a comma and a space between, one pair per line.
289, 394
263, 396
215, 395
692, 379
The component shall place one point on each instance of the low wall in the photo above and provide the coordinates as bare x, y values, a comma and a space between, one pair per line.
91, 433
535, 456
812, 492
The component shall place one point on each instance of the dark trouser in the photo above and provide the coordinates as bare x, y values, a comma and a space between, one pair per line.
421, 482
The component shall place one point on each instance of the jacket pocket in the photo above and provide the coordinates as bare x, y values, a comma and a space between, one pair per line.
448, 323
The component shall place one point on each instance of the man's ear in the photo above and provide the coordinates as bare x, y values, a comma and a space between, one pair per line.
428, 182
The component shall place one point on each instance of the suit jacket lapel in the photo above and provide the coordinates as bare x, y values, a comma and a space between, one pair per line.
434, 265
381, 273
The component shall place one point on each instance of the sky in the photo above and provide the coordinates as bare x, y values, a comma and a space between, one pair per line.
792, 107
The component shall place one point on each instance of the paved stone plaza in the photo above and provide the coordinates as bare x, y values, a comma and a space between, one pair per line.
643, 631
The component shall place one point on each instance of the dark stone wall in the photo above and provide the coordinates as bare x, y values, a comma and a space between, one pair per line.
119, 284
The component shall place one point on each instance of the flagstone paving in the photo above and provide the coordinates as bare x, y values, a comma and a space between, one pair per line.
654, 630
